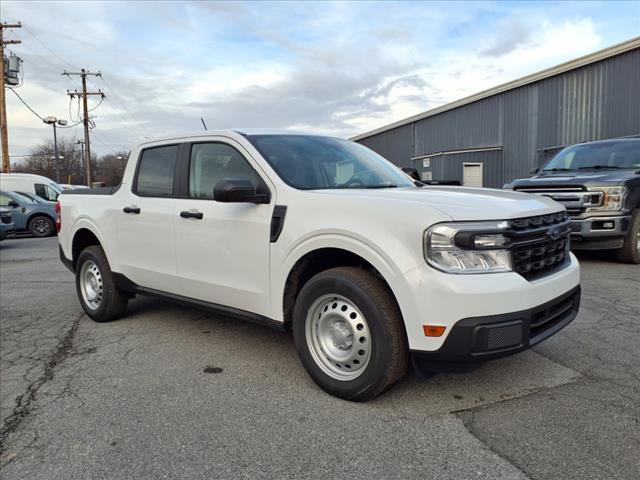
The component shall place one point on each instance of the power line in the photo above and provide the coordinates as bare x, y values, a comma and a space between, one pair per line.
124, 106
25, 103
36, 113
47, 48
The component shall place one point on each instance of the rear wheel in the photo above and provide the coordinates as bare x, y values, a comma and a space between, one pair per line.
99, 297
349, 333
630, 251
41, 226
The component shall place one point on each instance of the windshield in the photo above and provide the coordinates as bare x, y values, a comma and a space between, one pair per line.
611, 155
312, 162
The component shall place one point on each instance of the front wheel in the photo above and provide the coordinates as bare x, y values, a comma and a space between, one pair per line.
630, 251
41, 226
99, 297
349, 333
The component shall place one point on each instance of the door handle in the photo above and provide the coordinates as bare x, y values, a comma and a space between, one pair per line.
189, 214
132, 209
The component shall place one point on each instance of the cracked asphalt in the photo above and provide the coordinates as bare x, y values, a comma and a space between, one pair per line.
170, 392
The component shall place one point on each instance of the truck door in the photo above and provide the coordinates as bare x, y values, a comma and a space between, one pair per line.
222, 248
146, 223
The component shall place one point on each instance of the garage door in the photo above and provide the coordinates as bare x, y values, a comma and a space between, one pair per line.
472, 174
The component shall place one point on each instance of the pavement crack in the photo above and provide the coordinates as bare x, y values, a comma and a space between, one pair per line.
468, 420
23, 403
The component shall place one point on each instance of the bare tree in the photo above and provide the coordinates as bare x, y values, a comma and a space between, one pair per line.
107, 169
110, 167
42, 161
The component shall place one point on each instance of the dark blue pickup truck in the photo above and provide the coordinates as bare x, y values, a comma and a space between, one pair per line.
599, 184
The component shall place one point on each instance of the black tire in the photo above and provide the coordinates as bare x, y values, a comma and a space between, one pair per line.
630, 251
42, 226
113, 302
388, 361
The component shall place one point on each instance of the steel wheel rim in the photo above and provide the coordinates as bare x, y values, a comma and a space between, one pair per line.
91, 285
338, 337
40, 226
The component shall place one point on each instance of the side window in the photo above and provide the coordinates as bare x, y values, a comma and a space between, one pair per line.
41, 190
156, 171
52, 195
213, 162
4, 201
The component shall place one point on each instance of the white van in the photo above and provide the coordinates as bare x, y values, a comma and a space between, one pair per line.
41, 186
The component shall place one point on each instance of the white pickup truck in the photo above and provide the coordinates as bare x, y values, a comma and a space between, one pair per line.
371, 270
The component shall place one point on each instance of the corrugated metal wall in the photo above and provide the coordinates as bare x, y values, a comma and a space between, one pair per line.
395, 145
594, 102
449, 167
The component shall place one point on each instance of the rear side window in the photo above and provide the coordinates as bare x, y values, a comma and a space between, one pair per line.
41, 190
156, 171
213, 162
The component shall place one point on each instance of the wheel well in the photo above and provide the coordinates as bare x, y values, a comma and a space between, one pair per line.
82, 239
315, 262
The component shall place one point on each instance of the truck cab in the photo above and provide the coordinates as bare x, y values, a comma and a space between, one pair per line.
599, 185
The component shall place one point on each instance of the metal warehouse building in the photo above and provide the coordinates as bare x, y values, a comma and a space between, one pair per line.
503, 133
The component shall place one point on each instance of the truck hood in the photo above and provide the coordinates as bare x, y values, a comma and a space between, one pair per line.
459, 203
584, 177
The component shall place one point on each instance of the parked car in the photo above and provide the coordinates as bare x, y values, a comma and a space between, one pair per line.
34, 197
7, 227
43, 187
370, 269
599, 184
37, 218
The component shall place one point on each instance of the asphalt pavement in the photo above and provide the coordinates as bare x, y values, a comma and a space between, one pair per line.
171, 392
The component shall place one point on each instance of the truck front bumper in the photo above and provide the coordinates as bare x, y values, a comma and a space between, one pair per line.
599, 233
459, 303
477, 339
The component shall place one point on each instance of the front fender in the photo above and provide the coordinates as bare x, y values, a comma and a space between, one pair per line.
380, 259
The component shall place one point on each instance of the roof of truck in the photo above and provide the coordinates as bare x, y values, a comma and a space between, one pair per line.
234, 132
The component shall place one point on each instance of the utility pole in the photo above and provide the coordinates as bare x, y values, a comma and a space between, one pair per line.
4, 135
53, 121
85, 120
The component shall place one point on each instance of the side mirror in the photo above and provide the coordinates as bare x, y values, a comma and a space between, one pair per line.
412, 172
238, 191
13, 204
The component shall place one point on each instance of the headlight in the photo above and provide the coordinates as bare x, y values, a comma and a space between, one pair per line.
471, 247
612, 198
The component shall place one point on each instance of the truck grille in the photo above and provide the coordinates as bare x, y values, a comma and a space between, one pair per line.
539, 245
575, 199
5, 218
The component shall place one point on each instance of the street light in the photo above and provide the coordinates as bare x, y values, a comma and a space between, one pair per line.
53, 121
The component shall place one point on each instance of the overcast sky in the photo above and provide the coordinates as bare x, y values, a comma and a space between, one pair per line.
337, 67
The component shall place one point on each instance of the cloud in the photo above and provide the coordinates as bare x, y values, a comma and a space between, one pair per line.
336, 67
514, 33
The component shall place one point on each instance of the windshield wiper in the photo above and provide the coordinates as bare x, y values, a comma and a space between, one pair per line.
381, 186
557, 169
598, 167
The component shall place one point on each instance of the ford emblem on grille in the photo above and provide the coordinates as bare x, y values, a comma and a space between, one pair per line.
555, 233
